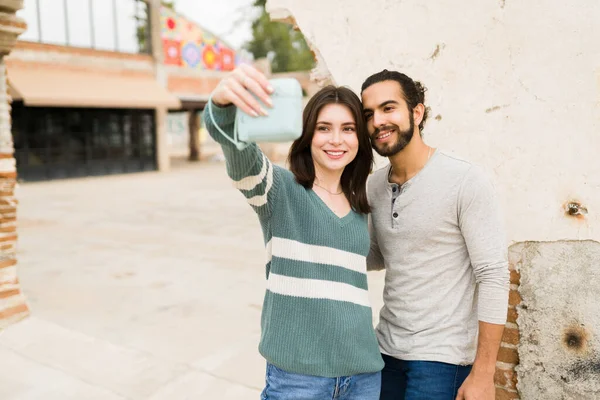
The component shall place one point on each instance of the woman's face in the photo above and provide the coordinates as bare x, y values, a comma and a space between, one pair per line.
335, 143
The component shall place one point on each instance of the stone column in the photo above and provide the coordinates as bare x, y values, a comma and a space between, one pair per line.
12, 302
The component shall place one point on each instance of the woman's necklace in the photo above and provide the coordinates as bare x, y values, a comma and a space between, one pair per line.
335, 194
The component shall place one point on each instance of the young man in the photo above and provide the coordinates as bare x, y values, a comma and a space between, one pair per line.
436, 230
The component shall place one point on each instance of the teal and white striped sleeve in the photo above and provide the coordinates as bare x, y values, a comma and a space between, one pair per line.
250, 170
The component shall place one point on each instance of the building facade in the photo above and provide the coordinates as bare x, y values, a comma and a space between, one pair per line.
97, 85
84, 89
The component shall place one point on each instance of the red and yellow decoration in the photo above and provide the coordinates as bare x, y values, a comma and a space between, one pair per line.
186, 44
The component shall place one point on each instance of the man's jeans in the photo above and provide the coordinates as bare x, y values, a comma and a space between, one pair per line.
282, 385
421, 380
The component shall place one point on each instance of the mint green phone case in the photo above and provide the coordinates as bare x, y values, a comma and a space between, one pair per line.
283, 124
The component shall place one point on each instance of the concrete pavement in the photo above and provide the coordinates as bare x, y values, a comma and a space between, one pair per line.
145, 286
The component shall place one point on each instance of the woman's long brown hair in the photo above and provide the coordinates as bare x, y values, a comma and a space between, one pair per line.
354, 177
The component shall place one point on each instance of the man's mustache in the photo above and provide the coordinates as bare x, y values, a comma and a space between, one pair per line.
384, 128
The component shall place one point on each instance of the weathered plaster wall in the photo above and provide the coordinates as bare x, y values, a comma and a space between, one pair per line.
514, 87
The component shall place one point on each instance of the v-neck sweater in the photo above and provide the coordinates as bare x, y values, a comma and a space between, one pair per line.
316, 317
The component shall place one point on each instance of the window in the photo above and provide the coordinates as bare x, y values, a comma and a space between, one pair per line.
105, 35
53, 21
29, 13
78, 18
130, 16
114, 25
68, 142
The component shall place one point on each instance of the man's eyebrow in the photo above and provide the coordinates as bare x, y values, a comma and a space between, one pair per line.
385, 103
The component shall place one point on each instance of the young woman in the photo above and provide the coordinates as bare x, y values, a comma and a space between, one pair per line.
317, 333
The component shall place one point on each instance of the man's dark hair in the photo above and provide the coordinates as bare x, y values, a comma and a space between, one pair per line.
354, 177
413, 91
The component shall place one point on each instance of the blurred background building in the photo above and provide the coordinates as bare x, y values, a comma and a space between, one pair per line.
106, 87
92, 82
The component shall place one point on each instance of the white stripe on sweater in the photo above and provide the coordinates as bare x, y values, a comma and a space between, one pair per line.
250, 182
294, 250
260, 200
269, 249
317, 289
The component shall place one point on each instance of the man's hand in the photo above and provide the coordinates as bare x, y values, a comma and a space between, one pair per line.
477, 387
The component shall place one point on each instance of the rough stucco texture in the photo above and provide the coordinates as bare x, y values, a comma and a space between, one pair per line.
559, 320
513, 86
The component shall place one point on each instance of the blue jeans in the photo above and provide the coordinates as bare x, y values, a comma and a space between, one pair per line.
282, 385
421, 380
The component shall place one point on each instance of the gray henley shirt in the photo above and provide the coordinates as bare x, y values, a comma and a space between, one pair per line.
440, 238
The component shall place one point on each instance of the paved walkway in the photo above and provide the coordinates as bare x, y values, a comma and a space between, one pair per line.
145, 286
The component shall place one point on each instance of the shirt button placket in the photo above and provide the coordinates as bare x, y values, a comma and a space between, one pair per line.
395, 193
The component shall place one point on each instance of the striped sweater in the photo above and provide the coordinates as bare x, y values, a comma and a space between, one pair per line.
316, 317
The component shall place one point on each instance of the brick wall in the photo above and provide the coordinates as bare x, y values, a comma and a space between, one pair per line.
201, 86
38, 55
508, 356
12, 302
48, 65
23, 46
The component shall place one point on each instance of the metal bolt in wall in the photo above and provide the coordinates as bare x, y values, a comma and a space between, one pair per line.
575, 209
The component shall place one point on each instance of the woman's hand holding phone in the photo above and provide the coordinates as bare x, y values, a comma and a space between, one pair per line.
237, 87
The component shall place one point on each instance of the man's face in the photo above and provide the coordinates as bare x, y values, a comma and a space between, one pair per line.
391, 125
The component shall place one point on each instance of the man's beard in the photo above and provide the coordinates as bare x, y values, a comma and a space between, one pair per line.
403, 139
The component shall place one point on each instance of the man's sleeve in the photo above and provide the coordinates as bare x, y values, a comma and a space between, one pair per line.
482, 227
375, 258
